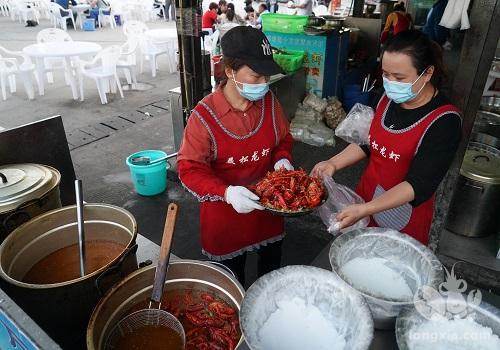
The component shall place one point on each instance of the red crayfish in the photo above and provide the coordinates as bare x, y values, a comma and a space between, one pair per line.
210, 323
289, 190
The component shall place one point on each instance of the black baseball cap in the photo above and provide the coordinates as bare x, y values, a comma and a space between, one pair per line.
251, 46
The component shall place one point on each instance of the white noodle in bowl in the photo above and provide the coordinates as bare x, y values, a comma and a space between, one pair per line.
304, 307
386, 267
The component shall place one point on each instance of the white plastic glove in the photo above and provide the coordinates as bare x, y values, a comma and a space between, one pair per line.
242, 199
283, 163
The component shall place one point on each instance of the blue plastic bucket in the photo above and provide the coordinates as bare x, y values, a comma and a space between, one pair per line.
353, 95
89, 24
149, 180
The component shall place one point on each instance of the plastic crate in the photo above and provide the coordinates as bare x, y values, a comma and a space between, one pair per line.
280, 23
89, 24
289, 60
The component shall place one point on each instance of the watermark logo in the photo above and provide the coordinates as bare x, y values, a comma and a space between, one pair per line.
448, 302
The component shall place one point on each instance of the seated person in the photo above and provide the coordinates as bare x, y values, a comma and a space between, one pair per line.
210, 17
230, 16
95, 5
262, 11
250, 17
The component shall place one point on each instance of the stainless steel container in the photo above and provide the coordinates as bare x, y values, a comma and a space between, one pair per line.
135, 288
63, 309
475, 205
26, 190
487, 123
486, 139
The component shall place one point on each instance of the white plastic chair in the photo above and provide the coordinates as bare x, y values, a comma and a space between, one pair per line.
133, 29
106, 15
61, 15
43, 7
118, 7
4, 8
321, 10
12, 9
153, 12
16, 64
210, 42
24, 12
150, 51
128, 61
53, 63
103, 70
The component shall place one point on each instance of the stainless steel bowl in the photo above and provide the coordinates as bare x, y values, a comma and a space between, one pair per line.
415, 262
410, 317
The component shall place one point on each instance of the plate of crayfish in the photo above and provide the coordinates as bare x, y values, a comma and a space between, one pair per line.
290, 192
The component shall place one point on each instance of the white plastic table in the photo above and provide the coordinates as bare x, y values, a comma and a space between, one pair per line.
65, 50
79, 10
166, 37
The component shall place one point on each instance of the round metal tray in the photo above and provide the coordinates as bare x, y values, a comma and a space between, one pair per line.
300, 212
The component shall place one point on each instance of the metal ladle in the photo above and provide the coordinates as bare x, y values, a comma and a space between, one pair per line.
81, 224
153, 317
144, 160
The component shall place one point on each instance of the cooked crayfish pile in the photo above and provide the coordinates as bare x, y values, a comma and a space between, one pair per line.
209, 322
289, 190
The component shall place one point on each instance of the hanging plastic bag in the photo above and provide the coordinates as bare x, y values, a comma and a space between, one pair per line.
356, 125
339, 197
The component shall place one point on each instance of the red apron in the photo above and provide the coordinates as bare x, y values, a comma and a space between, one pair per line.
239, 161
391, 156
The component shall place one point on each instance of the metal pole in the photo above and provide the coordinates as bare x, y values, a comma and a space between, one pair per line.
188, 16
81, 225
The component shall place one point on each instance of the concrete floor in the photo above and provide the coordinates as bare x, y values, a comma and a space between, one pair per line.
101, 163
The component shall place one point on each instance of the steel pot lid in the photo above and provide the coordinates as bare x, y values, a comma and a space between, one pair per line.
21, 183
488, 118
481, 163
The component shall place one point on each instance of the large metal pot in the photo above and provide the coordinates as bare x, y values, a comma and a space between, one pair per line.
486, 139
26, 190
475, 204
135, 288
63, 309
334, 21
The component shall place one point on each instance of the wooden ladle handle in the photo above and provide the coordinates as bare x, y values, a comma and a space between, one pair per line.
166, 244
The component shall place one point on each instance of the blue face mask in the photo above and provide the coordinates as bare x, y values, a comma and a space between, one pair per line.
401, 92
252, 92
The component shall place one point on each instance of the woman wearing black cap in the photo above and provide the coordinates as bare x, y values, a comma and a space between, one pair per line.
233, 138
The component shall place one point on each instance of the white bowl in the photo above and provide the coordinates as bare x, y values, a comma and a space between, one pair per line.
339, 304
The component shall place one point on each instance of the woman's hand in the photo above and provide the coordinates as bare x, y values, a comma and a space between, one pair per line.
325, 168
352, 214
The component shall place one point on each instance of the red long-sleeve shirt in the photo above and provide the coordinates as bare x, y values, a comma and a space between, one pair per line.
197, 152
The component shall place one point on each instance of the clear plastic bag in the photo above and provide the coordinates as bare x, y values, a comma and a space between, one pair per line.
315, 102
339, 197
355, 127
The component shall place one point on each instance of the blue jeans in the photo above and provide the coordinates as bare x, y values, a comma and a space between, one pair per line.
94, 13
